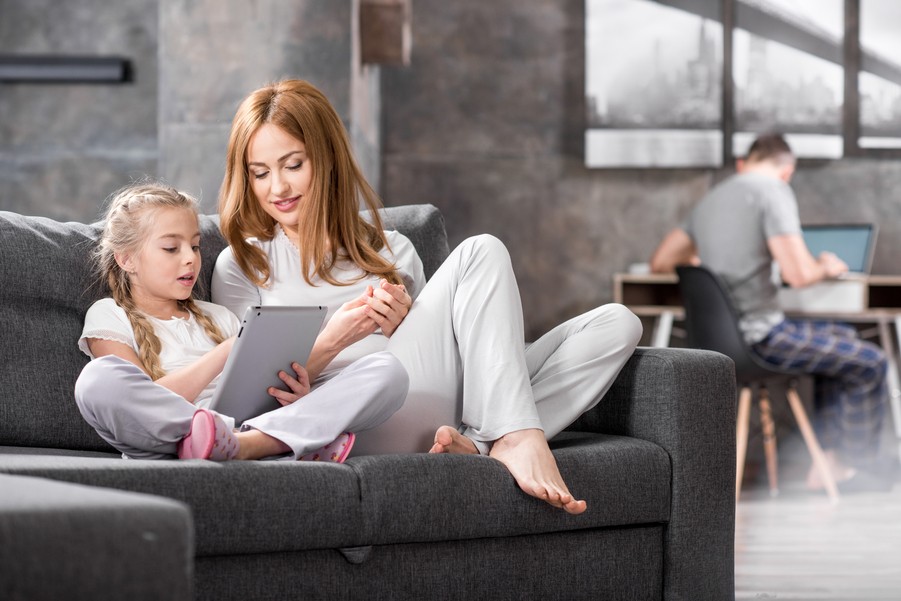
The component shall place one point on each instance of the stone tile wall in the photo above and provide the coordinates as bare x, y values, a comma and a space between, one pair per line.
214, 52
65, 148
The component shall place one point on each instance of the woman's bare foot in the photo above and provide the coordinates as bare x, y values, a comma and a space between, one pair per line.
529, 459
449, 440
253, 444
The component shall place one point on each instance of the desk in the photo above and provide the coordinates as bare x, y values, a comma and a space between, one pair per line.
657, 296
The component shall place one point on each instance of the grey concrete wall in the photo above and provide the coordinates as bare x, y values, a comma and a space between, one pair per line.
214, 52
65, 148
487, 124
866, 190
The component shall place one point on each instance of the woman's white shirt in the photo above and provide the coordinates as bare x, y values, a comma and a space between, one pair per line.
183, 340
231, 287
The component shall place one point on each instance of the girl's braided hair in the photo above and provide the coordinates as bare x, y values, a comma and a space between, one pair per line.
126, 225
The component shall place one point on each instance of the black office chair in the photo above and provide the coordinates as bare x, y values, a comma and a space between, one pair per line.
711, 323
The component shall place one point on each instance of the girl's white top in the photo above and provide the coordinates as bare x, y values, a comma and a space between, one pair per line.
183, 340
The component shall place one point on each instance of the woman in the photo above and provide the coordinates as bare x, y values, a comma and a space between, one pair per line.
290, 210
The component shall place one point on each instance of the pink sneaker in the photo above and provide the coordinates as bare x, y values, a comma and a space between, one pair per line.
335, 451
209, 438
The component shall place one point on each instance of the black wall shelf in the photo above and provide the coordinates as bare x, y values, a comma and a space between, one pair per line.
63, 69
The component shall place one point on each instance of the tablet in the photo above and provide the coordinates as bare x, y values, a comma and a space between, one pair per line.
270, 339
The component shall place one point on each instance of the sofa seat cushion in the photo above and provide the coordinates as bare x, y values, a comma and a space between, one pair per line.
238, 506
423, 498
273, 506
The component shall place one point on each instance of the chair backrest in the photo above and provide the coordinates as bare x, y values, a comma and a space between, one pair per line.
711, 322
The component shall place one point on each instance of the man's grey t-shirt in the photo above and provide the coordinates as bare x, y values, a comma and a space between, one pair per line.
730, 228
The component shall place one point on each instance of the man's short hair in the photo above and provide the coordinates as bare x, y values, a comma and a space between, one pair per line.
771, 147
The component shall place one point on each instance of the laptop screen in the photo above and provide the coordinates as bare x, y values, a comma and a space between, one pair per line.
852, 243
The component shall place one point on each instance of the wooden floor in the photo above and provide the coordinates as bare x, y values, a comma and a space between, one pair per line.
798, 545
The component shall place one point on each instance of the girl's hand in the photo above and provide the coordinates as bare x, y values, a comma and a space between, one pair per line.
388, 305
299, 385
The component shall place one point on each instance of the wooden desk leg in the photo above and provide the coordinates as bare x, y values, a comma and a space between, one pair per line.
663, 329
894, 385
769, 441
813, 445
741, 437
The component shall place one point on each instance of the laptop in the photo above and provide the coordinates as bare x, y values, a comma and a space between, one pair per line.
270, 339
852, 243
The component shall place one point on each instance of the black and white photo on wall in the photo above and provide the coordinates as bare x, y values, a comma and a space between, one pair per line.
655, 73
653, 82
787, 69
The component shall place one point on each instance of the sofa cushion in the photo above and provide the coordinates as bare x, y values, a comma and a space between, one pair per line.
44, 275
277, 506
238, 506
424, 226
64, 541
422, 498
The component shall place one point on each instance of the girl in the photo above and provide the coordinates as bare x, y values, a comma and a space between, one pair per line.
289, 209
157, 353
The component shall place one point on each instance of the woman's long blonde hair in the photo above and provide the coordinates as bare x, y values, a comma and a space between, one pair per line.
125, 231
330, 219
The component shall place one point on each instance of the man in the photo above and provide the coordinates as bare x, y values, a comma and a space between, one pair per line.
739, 230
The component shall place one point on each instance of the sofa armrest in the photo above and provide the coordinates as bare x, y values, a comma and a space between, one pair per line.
68, 541
684, 400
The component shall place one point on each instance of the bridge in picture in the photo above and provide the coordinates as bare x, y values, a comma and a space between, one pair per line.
770, 22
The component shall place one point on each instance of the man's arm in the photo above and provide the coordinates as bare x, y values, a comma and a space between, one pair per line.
676, 248
797, 266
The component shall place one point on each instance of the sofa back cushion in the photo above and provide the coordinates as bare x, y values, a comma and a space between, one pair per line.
424, 226
46, 287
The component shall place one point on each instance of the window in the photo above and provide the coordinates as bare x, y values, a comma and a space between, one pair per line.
879, 75
827, 73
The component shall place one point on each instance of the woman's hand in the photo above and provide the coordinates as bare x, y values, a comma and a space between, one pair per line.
349, 324
385, 307
388, 305
299, 385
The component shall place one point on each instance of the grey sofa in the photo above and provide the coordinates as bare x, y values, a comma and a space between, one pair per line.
655, 461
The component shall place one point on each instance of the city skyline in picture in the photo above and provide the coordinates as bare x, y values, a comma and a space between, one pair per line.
675, 84
790, 79
784, 88
653, 85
